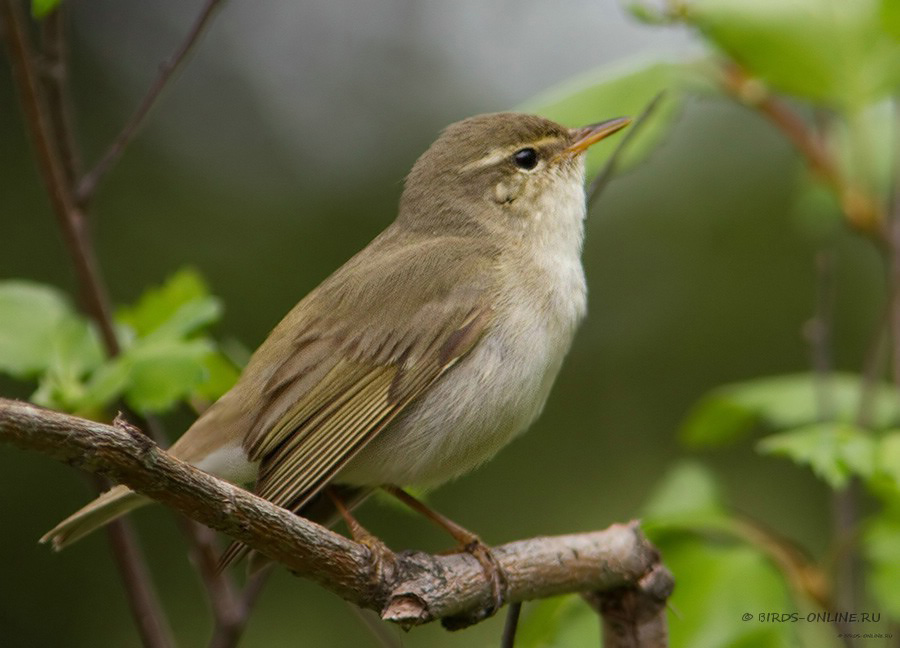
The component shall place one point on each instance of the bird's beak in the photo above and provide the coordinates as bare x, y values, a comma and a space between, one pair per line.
584, 137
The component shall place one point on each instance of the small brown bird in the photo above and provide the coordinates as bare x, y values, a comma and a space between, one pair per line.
425, 353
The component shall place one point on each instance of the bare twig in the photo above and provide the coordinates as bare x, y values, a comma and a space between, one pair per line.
152, 625
53, 172
47, 107
55, 75
89, 182
606, 173
46, 137
512, 624
409, 588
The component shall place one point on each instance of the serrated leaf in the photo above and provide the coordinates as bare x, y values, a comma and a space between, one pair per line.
607, 93
833, 51
178, 307
834, 451
30, 316
75, 352
784, 402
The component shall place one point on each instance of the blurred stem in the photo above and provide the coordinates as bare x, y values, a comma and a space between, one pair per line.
149, 617
46, 105
55, 75
606, 173
511, 625
861, 209
88, 184
48, 140
53, 172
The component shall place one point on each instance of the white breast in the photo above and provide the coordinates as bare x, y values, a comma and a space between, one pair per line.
496, 391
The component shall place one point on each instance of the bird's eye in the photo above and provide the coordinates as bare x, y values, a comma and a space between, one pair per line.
526, 158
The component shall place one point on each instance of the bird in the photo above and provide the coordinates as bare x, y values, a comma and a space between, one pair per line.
426, 352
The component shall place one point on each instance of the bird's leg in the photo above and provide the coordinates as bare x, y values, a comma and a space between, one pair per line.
380, 552
469, 542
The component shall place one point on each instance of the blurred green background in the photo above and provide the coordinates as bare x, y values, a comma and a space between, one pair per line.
280, 151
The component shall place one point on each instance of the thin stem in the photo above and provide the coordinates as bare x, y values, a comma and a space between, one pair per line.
48, 112
512, 623
55, 75
52, 168
167, 69
145, 608
606, 173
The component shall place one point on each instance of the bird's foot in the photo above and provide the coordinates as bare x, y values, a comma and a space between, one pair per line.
468, 541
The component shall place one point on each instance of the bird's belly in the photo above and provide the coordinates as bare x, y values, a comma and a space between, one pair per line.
478, 406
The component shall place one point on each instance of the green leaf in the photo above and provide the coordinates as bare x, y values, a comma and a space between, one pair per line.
840, 52
890, 17
163, 372
834, 451
31, 316
105, 386
688, 497
40, 8
179, 307
865, 145
887, 462
784, 402
880, 542
220, 374
557, 623
75, 352
607, 93
711, 608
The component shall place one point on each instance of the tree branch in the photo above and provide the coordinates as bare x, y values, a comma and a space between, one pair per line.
53, 172
409, 588
54, 64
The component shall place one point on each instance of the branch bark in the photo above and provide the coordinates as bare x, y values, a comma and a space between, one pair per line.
409, 588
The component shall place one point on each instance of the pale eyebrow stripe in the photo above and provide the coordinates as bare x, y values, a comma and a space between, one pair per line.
501, 153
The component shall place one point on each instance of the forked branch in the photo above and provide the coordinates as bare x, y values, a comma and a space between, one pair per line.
409, 588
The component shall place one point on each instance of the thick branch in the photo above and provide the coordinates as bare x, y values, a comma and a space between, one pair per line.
409, 588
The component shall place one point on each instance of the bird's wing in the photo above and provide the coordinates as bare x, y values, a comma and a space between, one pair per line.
340, 377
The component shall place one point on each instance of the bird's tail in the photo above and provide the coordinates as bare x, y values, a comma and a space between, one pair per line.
117, 501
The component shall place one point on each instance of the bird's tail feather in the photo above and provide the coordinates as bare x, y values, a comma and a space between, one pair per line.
115, 502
